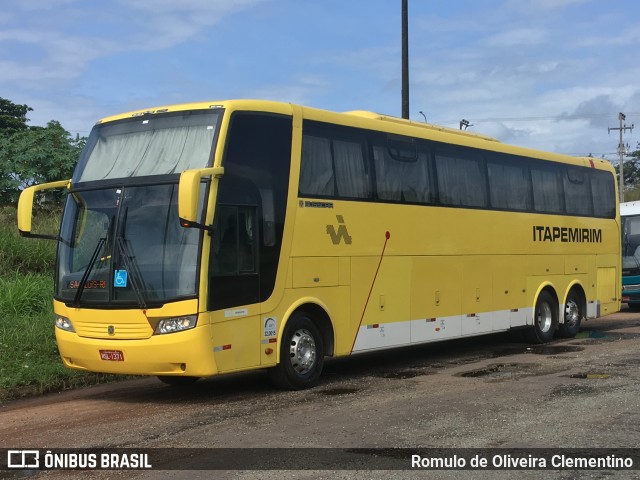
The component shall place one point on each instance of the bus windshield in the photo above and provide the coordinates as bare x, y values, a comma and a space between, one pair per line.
147, 145
631, 245
125, 245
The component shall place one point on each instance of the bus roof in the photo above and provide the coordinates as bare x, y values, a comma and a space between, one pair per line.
367, 119
431, 126
629, 208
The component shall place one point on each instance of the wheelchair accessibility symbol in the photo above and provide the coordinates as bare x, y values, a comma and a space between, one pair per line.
120, 279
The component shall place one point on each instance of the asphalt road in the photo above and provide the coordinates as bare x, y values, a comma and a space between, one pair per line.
487, 392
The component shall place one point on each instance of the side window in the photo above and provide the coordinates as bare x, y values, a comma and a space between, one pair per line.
234, 244
316, 168
603, 192
352, 177
333, 163
461, 178
547, 189
509, 186
402, 172
577, 191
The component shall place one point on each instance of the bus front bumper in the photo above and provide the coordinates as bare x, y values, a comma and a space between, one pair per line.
187, 353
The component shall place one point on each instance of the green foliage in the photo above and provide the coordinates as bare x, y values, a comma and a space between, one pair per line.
27, 255
33, 155
631, 172
29, 359
25, 295
13, 117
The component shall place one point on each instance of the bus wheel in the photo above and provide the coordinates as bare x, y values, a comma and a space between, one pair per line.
301, 355
178, 381
572, 317
545, 319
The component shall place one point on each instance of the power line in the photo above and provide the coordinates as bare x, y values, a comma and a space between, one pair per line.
537, 118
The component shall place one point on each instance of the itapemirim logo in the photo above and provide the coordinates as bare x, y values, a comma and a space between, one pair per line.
341, 234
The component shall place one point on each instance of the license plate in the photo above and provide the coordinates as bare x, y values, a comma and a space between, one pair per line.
112, 355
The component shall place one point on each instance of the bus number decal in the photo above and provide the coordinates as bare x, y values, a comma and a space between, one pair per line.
270, 327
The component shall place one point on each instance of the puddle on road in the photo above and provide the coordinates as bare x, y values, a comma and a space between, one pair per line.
404, 374
502, 371
591, 376
592, 334
573, 390
338, 391
537, 350
594, 337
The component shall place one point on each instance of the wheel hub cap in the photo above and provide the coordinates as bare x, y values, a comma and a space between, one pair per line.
302, 351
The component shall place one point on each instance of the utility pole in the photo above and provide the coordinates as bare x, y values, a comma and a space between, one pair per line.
621, 152
405, 60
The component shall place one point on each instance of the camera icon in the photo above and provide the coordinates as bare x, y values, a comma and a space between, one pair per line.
23, 459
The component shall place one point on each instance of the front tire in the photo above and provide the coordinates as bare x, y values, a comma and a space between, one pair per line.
545, 319
301, 355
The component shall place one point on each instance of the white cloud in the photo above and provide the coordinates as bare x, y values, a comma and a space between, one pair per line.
518, 37
164, 23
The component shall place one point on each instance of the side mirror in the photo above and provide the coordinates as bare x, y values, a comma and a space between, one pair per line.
25, 207
189, 193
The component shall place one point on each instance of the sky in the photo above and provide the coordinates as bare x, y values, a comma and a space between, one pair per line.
545, 74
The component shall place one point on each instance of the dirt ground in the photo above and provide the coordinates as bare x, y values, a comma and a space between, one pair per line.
487, 392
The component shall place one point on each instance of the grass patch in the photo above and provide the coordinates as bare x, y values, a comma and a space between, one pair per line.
29, 359
23, 295
27, 255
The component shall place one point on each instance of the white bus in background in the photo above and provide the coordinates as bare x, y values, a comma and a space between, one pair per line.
630, 219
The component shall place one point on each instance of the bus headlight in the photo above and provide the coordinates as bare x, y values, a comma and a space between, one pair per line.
176, 324
63, 323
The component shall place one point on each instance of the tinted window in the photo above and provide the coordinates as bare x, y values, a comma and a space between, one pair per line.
603, 193
352, 178
577, 191
461, 178
335, 164
403, 172
316, 168
252, 199
547, 189
509, 185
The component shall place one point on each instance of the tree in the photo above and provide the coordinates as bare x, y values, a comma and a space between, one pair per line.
13, 117
631, 175
31, 155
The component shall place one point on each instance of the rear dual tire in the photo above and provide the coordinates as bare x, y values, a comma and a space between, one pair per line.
573, 315
545, 319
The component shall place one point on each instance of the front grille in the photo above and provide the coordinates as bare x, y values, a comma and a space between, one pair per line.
130, 330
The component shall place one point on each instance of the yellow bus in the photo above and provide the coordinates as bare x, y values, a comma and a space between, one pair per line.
207, 238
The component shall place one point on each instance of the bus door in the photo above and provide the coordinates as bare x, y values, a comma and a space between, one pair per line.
234, 287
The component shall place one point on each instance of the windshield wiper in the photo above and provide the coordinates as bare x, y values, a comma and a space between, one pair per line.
131, 265
85, 276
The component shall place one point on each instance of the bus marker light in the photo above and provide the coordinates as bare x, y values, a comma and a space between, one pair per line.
268, 351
